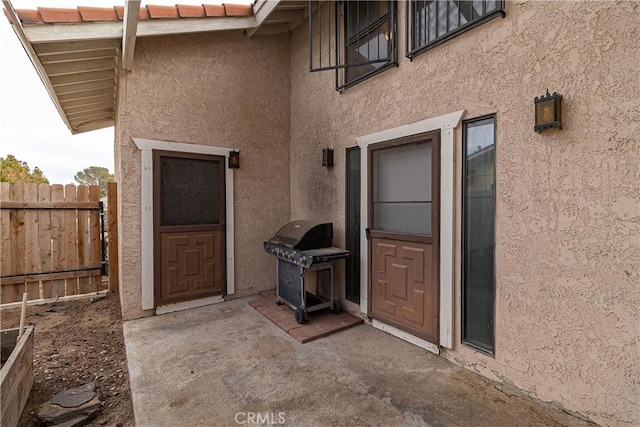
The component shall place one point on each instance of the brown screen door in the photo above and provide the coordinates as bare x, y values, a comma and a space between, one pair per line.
404, 237
189, 221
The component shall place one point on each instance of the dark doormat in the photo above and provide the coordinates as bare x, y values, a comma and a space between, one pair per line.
318, 324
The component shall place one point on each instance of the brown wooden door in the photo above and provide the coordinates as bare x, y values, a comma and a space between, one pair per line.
189, 221
404, 234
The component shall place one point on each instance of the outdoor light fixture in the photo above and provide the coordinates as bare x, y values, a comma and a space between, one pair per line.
548, 112
234, 159
327, 157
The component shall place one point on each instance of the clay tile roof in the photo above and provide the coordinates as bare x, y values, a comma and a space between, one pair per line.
52, 15
186, 11
28, 16
97, 13
214, 9
237, 9
142, 14
162, 11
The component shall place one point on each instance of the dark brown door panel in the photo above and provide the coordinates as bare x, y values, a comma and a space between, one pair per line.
403, 290
191, 264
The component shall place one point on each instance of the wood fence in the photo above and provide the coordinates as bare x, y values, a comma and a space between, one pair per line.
112, 227
50, 242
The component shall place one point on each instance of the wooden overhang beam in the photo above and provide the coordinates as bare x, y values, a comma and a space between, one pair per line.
81, 90
77, 56
94, 125
19, 30
268, 29
146, 28
285, 16
261, 12
81, 102
129, 29
87, 77
67, 47
75, 67
87, 106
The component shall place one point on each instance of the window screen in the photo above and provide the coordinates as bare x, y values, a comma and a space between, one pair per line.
190, 191
402, 189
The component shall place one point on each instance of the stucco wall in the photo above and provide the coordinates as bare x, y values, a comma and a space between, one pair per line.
209, 89
568, 202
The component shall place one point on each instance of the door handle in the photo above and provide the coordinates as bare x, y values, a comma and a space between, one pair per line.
367, 233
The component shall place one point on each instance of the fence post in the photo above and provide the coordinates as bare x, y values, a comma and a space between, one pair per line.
112, 229
95, 244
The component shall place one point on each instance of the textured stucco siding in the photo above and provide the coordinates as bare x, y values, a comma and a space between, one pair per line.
568, 202
208, 89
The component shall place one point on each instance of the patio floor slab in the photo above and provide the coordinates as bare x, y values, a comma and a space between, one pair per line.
217, 365
319, 324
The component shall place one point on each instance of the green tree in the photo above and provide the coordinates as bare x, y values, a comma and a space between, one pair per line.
95, 175
14, 170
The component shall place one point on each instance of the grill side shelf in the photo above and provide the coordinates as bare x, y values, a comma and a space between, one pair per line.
305, 258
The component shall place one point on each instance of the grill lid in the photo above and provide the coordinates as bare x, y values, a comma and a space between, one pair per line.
303, 235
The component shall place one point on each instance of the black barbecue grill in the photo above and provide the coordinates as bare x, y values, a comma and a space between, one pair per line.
302, 247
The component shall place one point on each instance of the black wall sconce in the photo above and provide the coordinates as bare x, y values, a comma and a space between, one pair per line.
234, 159
548, 111
327, 157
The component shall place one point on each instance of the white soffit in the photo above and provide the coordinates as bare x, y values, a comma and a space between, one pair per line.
78, 62
80, 76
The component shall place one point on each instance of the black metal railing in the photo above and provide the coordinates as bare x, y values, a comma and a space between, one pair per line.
429, 23
346, 36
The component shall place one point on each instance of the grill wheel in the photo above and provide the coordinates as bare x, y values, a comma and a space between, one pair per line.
336, 307
300, 315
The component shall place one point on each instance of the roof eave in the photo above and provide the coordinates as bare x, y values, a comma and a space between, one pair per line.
33, 57
78, 62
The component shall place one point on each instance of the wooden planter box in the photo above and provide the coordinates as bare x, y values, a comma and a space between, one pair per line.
16, 376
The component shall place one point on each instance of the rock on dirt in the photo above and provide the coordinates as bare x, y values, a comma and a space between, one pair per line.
73, 407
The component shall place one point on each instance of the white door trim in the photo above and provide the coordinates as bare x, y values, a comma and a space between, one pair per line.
179, 306
146, 146
445, 123
405, 336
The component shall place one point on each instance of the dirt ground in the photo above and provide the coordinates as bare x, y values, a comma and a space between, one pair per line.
77, 342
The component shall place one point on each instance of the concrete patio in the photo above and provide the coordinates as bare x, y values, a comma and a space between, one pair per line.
215, 365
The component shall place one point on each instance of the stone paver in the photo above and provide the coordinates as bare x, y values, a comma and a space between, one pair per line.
319, 323
73, 407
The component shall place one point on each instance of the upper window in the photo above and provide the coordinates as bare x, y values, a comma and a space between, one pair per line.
369, 38
356, 38
429, 23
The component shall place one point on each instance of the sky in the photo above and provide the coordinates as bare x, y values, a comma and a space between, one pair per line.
30, 127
